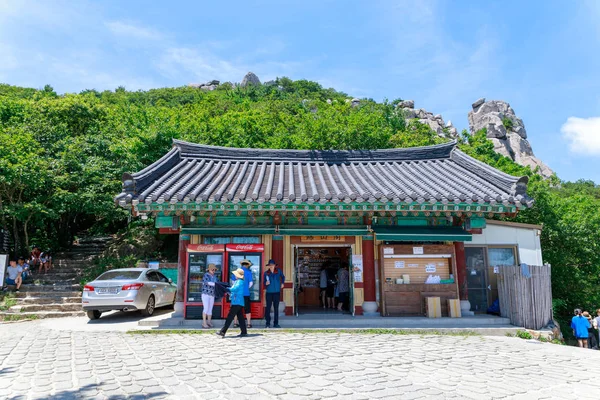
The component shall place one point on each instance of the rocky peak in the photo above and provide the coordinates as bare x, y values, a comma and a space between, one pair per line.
506, 131
250, 79
435, 122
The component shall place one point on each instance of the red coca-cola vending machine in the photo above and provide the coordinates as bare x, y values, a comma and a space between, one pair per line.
199, 256
235, 253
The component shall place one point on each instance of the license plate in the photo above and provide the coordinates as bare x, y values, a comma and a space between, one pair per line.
107, 290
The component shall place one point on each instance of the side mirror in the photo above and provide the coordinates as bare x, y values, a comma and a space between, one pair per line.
170, 280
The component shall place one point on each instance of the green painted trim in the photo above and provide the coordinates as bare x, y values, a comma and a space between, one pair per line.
277, 237
338, 230
230, 230
422, 234
402, 208
365, 237
184, 237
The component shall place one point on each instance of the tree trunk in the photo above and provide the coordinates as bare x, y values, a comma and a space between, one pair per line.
26, 233
16, 236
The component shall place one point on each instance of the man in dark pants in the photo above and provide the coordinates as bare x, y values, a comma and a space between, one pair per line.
237, 305
273, 281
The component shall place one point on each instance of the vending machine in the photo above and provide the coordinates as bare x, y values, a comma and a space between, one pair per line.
199, 256
254, 253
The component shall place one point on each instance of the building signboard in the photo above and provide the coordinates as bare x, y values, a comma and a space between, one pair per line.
312, 239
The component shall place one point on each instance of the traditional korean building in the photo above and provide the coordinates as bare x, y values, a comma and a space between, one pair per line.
395, 218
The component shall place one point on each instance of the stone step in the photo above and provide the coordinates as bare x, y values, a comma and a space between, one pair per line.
51, 288
58, 280
45, 307
48, 294
48, 300
41, 314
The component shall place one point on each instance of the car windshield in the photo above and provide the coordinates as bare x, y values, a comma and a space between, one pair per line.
118, 275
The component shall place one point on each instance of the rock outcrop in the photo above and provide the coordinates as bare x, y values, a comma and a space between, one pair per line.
250, 79
210, 85
506, 131
435, 122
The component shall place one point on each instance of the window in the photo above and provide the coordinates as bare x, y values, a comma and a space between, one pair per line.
499, 256
231, 239
152, 276
118, 275
162, 278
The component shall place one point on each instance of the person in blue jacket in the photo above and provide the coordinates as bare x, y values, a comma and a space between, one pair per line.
237, 305
580, 326
273, 280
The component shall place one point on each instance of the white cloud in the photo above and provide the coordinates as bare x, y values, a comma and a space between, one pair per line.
584, 135
121, 28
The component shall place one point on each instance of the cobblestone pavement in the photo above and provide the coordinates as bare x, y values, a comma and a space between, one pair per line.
36, 362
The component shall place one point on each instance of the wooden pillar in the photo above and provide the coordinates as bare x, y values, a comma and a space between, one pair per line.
368, 253
184, 240
461, 270
288, 271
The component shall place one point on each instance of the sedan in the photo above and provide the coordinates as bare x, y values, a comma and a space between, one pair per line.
128, 289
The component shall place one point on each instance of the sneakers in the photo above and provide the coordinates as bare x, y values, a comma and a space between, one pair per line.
219, 333
17, 290
267, 326
276, 326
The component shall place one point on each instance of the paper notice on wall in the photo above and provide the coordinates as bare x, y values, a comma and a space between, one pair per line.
441, 264
417, 250
357, 267
388, 250
399, 264
496, 270
413, 265
3, 261
430, 268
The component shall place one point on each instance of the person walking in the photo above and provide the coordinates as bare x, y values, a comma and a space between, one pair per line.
208, 295
330, 291
248, 283
592, 333
343, 278
323, 286
273, 281
237, 305
580, 327
596, 325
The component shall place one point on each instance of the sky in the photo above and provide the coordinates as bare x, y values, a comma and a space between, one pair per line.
542, 57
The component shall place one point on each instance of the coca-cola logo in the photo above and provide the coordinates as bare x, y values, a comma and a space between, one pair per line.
244, 247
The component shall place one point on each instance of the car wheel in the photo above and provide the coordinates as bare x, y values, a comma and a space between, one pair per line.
94, 314
149, 310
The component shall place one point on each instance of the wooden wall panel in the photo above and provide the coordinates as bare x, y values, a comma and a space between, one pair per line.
417, 274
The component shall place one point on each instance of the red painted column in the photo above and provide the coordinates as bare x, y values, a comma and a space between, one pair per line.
184, 240
277, 254
461, 270
368, 253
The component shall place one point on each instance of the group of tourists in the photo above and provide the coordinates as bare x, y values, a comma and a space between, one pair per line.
585, 329
335, 285
21, 270
240, 313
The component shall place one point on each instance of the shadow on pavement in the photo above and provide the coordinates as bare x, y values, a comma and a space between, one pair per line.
92, 391
119, 317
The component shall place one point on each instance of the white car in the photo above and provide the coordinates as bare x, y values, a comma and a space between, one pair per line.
128, 289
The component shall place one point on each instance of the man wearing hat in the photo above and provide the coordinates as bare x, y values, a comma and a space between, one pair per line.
237, 305
248, 282
273, 281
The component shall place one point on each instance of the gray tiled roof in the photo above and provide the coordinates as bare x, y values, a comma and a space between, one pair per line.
442, 173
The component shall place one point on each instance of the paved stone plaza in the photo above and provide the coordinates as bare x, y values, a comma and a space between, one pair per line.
39, 362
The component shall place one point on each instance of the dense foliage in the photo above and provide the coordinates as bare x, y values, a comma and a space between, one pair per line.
62, 157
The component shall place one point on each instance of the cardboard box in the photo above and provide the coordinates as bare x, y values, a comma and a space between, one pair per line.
434, 308
454, 308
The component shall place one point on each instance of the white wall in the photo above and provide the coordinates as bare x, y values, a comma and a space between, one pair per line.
526, 240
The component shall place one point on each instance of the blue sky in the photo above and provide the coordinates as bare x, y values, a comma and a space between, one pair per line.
543, 57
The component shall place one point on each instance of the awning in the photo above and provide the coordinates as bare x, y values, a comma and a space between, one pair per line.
422, 234
323, 230
230, 230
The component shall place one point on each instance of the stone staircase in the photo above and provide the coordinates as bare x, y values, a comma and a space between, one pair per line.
57, 293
